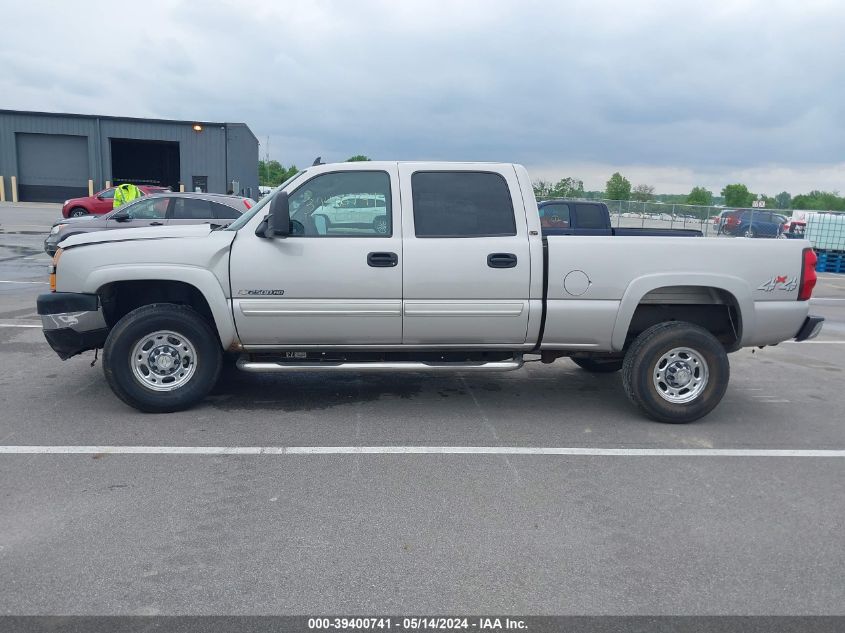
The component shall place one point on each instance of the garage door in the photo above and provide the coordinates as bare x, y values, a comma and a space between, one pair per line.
52, 167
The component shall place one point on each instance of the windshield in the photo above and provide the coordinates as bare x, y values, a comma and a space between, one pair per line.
246, 217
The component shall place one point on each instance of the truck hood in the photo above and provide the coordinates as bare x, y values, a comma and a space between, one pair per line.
141, 233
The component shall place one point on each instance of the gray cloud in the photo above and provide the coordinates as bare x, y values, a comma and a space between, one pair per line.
668, 88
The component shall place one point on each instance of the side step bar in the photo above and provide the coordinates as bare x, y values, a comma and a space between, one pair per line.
293, 366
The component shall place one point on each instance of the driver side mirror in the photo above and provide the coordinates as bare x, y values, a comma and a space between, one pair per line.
277, 223
121, 216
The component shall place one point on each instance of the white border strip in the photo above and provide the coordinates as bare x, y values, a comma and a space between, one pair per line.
414, 450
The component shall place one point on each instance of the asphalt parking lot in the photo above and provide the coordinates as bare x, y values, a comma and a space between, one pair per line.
344, 532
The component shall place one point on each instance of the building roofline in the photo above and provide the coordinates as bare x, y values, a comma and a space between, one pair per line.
107, 117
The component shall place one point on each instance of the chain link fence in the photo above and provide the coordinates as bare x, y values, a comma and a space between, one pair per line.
824, 229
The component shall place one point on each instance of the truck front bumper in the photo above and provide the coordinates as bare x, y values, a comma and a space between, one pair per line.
811, 328
72, 322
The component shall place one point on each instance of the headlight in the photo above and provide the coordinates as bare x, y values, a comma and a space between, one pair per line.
57, 228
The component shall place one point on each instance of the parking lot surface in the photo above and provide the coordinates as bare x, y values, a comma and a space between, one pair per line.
334, 531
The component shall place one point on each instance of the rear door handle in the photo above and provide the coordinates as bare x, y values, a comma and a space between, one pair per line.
501, 260
156, 223
382, 260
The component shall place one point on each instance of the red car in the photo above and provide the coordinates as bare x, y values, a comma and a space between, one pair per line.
99, 203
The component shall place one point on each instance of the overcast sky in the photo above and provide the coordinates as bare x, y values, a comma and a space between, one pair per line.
672, 94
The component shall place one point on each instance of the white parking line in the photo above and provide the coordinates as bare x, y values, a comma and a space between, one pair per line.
415, 450
20, 325
817, 342
2, 281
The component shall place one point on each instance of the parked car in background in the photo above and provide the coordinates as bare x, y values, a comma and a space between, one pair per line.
576, 217
154, 210
793, 230
99, 203
753, 223
719, 220
344, 213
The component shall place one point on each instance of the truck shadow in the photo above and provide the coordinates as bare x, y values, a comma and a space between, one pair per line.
522, 391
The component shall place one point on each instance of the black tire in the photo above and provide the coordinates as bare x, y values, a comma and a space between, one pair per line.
146, 320
641, 363
599, 366
750, 232
77, 212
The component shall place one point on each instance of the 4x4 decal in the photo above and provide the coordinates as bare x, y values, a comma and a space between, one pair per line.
779, 282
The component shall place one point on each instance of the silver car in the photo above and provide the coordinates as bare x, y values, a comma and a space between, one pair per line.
164, 209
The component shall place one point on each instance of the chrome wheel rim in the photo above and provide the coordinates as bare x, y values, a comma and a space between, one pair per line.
680, 375
163, 360
381, 225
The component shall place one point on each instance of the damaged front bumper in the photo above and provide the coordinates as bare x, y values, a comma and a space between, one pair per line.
72, 322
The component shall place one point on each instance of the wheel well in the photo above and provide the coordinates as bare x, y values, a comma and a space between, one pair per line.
121, 297
714, 309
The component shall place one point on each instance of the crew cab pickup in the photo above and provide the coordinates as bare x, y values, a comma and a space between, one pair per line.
446, 270
580, 217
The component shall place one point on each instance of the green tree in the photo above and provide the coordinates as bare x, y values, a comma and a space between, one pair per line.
737, 196
358, 158
783, 200
618, 188
563, 188
643, 193
700, 196
273, 173
542, 189
568, 188
819, 201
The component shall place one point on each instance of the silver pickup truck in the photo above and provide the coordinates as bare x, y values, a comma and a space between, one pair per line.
386, 266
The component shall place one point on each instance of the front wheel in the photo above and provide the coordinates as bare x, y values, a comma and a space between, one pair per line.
676, 372
750, 232
162, 357
77, 212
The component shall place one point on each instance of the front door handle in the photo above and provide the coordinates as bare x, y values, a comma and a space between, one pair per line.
156, 223
382, 260
501, 260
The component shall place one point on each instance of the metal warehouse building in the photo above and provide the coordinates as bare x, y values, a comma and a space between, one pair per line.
46, 157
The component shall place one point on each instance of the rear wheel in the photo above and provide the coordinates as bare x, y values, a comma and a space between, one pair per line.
161, 358
77, 212
599, 366
750, 232
676, 372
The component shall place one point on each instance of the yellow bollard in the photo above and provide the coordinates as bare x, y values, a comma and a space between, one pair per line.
14, 188
181, 187
90, 187
2, 189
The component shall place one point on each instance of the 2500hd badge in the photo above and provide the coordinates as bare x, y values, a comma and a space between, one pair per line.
260, 293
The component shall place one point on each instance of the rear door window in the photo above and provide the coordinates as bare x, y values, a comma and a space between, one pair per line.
461, 204
222, 212
191, 209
